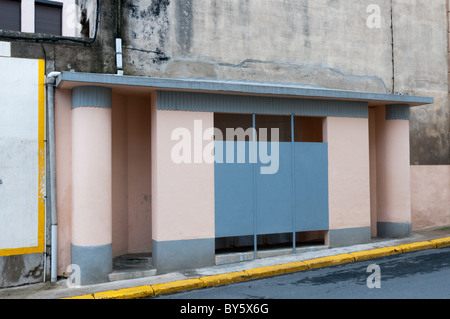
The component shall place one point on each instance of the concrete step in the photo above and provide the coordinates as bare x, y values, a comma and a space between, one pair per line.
132, 266
229, 258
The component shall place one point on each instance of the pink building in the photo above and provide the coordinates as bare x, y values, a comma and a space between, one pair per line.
341, 168
181, 132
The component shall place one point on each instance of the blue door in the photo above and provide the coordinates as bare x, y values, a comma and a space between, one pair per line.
293, 198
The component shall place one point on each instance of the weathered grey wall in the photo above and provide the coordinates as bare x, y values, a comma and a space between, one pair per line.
421, 68
21, 269
98, 57
319, 42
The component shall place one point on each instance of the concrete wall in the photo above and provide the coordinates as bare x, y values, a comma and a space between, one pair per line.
260, 40
60, 55
421, 68
339, 44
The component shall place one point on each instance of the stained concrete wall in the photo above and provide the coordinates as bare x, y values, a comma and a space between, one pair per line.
333, 43
421, 68
63, 55
260, 40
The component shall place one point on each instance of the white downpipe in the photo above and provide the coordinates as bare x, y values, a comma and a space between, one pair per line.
119, 62
51, 79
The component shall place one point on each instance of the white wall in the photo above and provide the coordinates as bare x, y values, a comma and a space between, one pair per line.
22, 155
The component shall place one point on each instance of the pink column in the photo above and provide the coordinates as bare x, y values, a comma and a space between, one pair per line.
91, 248
182, 193
348, 180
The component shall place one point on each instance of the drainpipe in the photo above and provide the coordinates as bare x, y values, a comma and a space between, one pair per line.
51, 80
119, 63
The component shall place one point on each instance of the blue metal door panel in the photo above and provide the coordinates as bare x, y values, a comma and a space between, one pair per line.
274, 191
234, 195
293, 199
311, 186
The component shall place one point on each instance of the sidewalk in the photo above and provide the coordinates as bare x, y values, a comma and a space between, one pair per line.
230, 273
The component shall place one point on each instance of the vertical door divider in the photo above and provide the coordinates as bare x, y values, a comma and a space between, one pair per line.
293, 183
255, 211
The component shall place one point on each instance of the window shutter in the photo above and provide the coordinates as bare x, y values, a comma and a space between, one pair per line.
10, 15
48, 18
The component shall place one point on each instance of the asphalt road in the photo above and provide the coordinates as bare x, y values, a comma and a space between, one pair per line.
416, 275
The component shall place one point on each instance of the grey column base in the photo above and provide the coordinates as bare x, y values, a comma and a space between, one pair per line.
94, 262
182, 254
394, 230
349, 236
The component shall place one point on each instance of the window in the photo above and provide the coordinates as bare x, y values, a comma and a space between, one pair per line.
10, 15
308, 129
48, 17
224, 121
265, 124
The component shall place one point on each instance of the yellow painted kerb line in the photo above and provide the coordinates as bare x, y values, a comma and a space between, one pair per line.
41, 182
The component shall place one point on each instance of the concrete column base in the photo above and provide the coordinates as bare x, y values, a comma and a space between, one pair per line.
348, 236
93, 262
394, 230
182, 254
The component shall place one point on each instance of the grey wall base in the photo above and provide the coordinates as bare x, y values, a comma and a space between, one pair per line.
182, 254
394, 230
21, 270
349, 236
94, 262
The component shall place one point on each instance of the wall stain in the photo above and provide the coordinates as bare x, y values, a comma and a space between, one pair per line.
13, 268
184, 17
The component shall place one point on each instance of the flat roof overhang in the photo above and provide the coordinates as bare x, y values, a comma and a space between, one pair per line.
141, 84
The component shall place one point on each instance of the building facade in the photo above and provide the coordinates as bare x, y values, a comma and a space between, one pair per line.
186, 129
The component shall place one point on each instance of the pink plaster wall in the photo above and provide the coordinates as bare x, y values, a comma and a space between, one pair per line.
183, 194
348, 165
373, 172
131, 165
393, 169
63, 150
139, 175
131, 129
430, 196
119, 175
